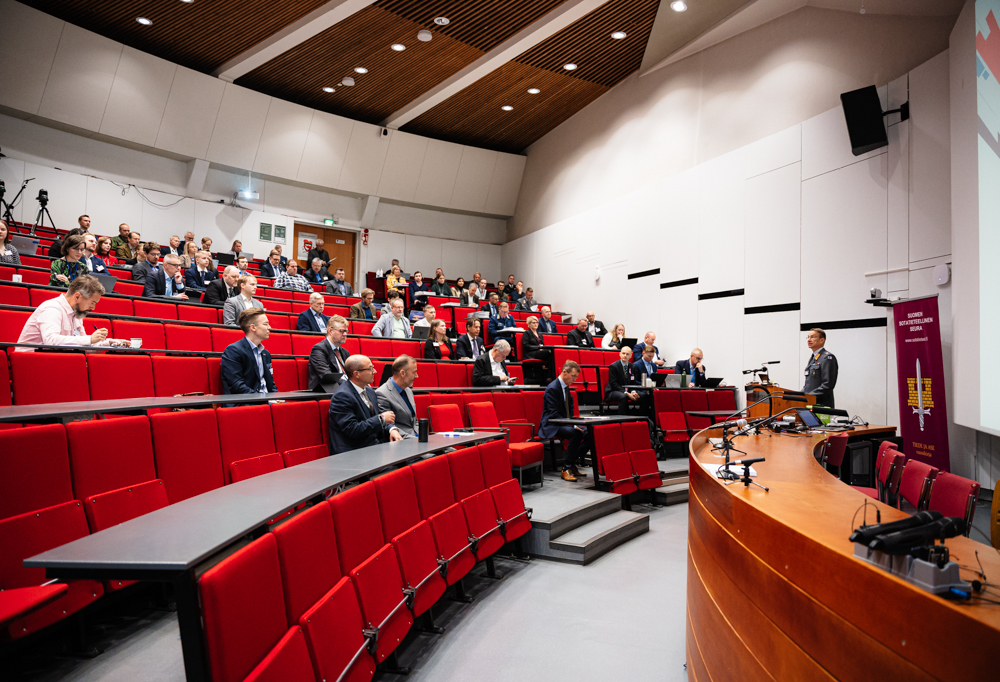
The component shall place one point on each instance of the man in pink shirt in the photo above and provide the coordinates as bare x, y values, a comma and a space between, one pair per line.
59, 321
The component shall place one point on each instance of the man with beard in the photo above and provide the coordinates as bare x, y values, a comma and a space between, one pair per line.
59, 321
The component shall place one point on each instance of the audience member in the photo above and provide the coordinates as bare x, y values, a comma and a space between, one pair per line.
364, 310
337, 286
649, 340
140, 256
282, 259
502, 320
167, 281
318, 252
291, 279
526, 303
327, 358
595, 326
580, 336
493, 305
692, 367
394, 278
418, 285
438, 346
547, 325
429, 314
59, 321
613, 339
201, 273
647, 363
394, 325
620, 375
246, 364
221, 290
470, 345
490, 369
515, 296
508, 287
557, 403
55, 248
8, 254
478, 279
244, 300
206, 244
175, 247
471, 298
395, 262
126, 250
243, 265
459, 287
502, 294
190, 255
237, 248
189, 237
149, 264
440, 287
90, 259
316, 274
438, 271
531, 340
64, 270
390, 296
123, 236
355, 421
272, 267
313, 319
396, 396
105, 253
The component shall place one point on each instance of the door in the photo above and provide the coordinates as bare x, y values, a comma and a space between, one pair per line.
338, 243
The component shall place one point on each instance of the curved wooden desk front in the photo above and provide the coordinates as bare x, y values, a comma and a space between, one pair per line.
774, 591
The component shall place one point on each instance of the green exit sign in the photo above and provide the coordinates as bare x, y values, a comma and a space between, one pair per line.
329, 221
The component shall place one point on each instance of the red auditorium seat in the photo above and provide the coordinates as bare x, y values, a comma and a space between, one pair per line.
673, 426
436, 501
178, 375
889, 471
302, 370
128, 288
296, 425
635, 436
523, 455
110, 305
114, 377
376, 348
40, 296
353, 346
302, 344
303, 455
155, 310
193, 313
415, 349
607, 441
242, 469
187, 453
11, 324
452, 375
279, 343
214, 374
250, 638
299, 307
285, 374
109, 454
34, 469
477, 503
150, 333
445, 417
618, 470
244, 431
21, 601
509, 408
222, 338
34, 375
15, 296
32, 533
324, 418
427, 376
182, 337
361, 327
34, 276
952, 496
280, 293
722, 400
695, 401
456, 399
5, 387
915, 483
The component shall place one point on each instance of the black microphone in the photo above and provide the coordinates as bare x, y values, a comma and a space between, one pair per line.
747, 462
866, 534
902, 542
795, 398
772, 362
753, 371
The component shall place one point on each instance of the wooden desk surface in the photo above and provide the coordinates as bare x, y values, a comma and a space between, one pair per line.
774, 591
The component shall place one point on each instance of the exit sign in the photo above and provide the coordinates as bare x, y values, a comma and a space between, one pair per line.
329, 221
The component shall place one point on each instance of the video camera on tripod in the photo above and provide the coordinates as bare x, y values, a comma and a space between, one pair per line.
43, 202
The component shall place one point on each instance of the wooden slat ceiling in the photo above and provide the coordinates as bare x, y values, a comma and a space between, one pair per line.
200, 35
394, 79
474, 115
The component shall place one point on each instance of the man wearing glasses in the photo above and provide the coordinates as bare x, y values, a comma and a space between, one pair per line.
355, 420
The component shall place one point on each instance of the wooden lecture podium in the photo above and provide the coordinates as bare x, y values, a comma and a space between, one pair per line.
757, 391
774, 591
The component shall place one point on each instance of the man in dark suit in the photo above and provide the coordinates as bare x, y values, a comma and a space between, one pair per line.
355, 421
246, 364
502, 320
490, 369
167, 281
326, 359
650, 340
337, 286
557, 403
272, 266
470, 344
692, 367
621, 374
580, 336
647, 363
418, 285
313, 319
595, 326
546, 325
318, 252
221, 290
493, 306
316, 274
201, 273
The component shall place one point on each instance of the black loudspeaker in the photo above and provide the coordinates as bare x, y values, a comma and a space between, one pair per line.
865, 123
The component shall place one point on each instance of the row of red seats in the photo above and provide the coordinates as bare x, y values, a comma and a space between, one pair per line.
625, 457
337, 587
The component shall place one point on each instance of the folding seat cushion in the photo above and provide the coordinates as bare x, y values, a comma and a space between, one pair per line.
495, 462
481, 517
511, 511
376, 348
357, 524
436, 501
151, 333
303, 455
188, 337
445, 418
15, 296
288, 660
109, 454
417, 556
186, 451
673, 426
32, 533
244, 432
242, 469
307, 554
302, 344
645, 467
178, 375
21, 601
379, 585
452, 375
635, 436
195, 313
40, 296
34, 469
618, 471
11, 324
607, 441
223, 338
456, 399
114, 376
155, 310
296, 425
241, 632
40, 378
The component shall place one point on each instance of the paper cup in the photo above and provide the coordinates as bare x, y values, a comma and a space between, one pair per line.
136, 343
16, 278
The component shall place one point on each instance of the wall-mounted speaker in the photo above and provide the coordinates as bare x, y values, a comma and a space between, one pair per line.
865, 123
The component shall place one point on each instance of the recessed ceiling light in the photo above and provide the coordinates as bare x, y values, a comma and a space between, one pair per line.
328, 89
399, 47
187, 1
348, 81
678, 5
424, 36
533, 91
360, 69
144, 21
507, 107
570, 66
618, 35
441, 21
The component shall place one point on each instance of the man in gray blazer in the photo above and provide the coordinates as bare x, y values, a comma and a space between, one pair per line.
395, 325
396, 395
247, 285
337, 286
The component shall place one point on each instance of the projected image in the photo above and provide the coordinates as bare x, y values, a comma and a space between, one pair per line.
988, 92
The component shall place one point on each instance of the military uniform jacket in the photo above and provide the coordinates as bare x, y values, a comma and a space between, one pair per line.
821, 376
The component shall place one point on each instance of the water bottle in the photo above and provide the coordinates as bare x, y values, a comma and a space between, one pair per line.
423, 429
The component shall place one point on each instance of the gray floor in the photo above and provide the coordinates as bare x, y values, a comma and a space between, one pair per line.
620, 617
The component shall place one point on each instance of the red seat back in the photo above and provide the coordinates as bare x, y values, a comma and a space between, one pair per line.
694, 401
426, 375
307, 554
445, 418
244, 432
466, 472
40, 296
397, 502
376, 348
111, 305
509, 406
11, 324
836, 447
181, 337
954, 496
285, 373
151, 333
452, 375
242, 469
223, 338
296, 425
33, 376
482, 415
668, 401
635, 436
433, 480
302, 344
176, 375
34, 469
109, 454
120, 376
915, 482
357, 525
155, 310
451, 399
495, 462
721, 400
187, 453
193, 313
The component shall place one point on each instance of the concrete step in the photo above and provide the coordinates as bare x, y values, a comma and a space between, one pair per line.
591, 540
672, 493
558, 510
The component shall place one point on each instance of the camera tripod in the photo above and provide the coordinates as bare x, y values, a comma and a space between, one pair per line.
6, 208
43, 200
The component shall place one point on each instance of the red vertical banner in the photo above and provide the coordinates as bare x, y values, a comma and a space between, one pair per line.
923, 413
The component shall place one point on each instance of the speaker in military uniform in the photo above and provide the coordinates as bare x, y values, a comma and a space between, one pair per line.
822, 369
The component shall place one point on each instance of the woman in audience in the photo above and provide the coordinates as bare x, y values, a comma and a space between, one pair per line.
440, 287
437, 346
393, 278
8, 254
613, 339
187, 258
104, 252
456, 290
532, 340
64, 270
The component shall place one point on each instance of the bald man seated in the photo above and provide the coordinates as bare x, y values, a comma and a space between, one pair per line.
693, 368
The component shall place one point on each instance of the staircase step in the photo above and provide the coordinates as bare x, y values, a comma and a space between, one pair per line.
558, 510
591, 540
672, 493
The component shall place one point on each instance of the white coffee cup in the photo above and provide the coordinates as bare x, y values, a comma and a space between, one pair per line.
136, 343
16, 278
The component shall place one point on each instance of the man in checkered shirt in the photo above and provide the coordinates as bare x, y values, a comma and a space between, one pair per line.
291, 279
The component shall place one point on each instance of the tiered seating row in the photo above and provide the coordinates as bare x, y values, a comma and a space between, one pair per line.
672, 408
